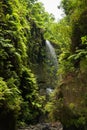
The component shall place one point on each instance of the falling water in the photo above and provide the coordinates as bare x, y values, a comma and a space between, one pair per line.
52, 67
48, 70
51, 55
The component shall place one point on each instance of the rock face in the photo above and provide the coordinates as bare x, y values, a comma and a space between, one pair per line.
45, 126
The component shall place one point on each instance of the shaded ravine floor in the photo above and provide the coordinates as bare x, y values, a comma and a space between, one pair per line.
44, 126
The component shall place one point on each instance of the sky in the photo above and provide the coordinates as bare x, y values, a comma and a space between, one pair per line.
52, 7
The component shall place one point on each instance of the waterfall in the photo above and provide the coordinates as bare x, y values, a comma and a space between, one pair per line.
47, 71
51, 67
51, 55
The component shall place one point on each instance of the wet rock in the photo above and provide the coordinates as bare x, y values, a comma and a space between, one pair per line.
45, 126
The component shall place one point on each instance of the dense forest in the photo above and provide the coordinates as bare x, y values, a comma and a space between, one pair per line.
24, 71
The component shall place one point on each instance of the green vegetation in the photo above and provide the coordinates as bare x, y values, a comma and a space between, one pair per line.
24, 74
68, 102
19, 94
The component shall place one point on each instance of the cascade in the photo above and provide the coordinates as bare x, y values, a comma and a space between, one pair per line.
51, 55
51, 67
47, 74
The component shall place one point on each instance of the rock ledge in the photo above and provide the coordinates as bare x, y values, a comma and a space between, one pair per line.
45, 126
